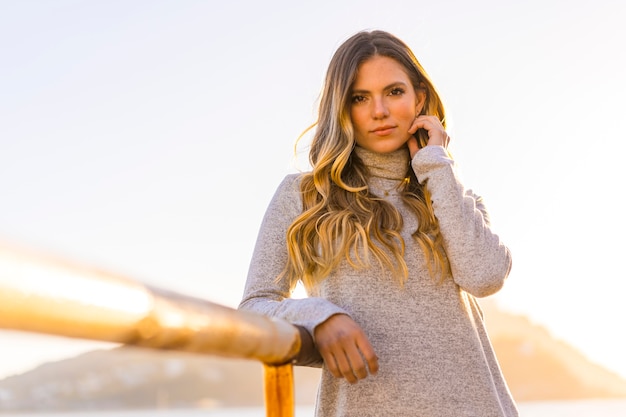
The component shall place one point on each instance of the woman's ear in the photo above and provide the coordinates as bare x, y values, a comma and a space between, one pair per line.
420, 98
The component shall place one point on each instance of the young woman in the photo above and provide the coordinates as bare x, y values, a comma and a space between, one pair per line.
390, 246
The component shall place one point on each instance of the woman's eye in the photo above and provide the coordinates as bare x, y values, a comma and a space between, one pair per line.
396, 92
358, 99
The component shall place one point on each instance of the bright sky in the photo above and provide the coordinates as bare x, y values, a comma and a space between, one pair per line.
147, 137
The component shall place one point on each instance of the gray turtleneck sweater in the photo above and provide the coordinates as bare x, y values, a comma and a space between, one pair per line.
435, 359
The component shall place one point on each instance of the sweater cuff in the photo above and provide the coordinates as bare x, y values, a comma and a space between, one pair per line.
308, 355
428, 159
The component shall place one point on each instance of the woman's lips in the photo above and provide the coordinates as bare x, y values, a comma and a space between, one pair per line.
383, 130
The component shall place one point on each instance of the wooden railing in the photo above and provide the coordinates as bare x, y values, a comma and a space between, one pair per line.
46, 295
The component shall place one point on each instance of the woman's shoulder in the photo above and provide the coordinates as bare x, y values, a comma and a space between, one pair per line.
287, 196
289, 188
294, 178
291, 183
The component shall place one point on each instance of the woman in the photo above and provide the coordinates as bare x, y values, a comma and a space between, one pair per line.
390, 246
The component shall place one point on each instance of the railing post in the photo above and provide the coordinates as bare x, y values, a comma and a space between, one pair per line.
279, 391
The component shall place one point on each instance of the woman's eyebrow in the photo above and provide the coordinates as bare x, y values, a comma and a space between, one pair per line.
394, 84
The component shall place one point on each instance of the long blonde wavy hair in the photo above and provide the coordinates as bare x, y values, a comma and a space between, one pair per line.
341, 219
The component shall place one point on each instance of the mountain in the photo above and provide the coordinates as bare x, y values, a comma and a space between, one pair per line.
130, 377
539, 367
105, 379
536, 366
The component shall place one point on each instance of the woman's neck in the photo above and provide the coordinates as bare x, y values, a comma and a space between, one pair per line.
392, 165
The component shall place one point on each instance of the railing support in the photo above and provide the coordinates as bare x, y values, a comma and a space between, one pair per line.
279, 391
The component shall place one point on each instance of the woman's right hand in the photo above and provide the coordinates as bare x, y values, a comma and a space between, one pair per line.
437, 135
346, 350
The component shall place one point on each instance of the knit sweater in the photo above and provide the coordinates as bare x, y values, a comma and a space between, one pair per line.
434, 355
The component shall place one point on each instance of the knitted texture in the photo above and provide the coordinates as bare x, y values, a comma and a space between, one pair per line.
435, 358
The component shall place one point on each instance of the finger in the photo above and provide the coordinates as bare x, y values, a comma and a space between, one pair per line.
370, 356
330, 362
357, 364
420, 122
427, 122
433, 127
414, 126
438, 137
345, 368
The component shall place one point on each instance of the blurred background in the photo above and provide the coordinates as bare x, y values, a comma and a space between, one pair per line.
147, 138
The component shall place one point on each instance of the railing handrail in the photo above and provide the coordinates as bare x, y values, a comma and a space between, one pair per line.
47, 295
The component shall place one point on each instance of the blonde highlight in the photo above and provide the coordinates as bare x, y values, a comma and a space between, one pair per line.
341, 220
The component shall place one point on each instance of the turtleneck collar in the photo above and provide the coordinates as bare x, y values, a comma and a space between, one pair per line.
392, 165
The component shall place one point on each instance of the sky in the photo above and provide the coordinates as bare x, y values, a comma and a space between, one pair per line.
147, 138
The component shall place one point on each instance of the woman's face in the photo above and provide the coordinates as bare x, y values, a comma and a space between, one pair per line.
384, 104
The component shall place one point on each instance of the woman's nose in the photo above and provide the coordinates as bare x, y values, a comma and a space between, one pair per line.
379, 110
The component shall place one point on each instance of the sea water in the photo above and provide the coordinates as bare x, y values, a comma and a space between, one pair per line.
587, 408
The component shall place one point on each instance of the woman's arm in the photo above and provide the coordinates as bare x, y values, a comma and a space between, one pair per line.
478, 259
342, 344
263, 294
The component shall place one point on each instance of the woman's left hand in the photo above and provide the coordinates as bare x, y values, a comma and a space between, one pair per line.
437, 136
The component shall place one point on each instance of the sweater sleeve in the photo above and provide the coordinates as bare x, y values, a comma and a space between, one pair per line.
263, 294
478, 259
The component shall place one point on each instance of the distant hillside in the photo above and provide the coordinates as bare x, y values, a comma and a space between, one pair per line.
536, 366
130, 377
539, 367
